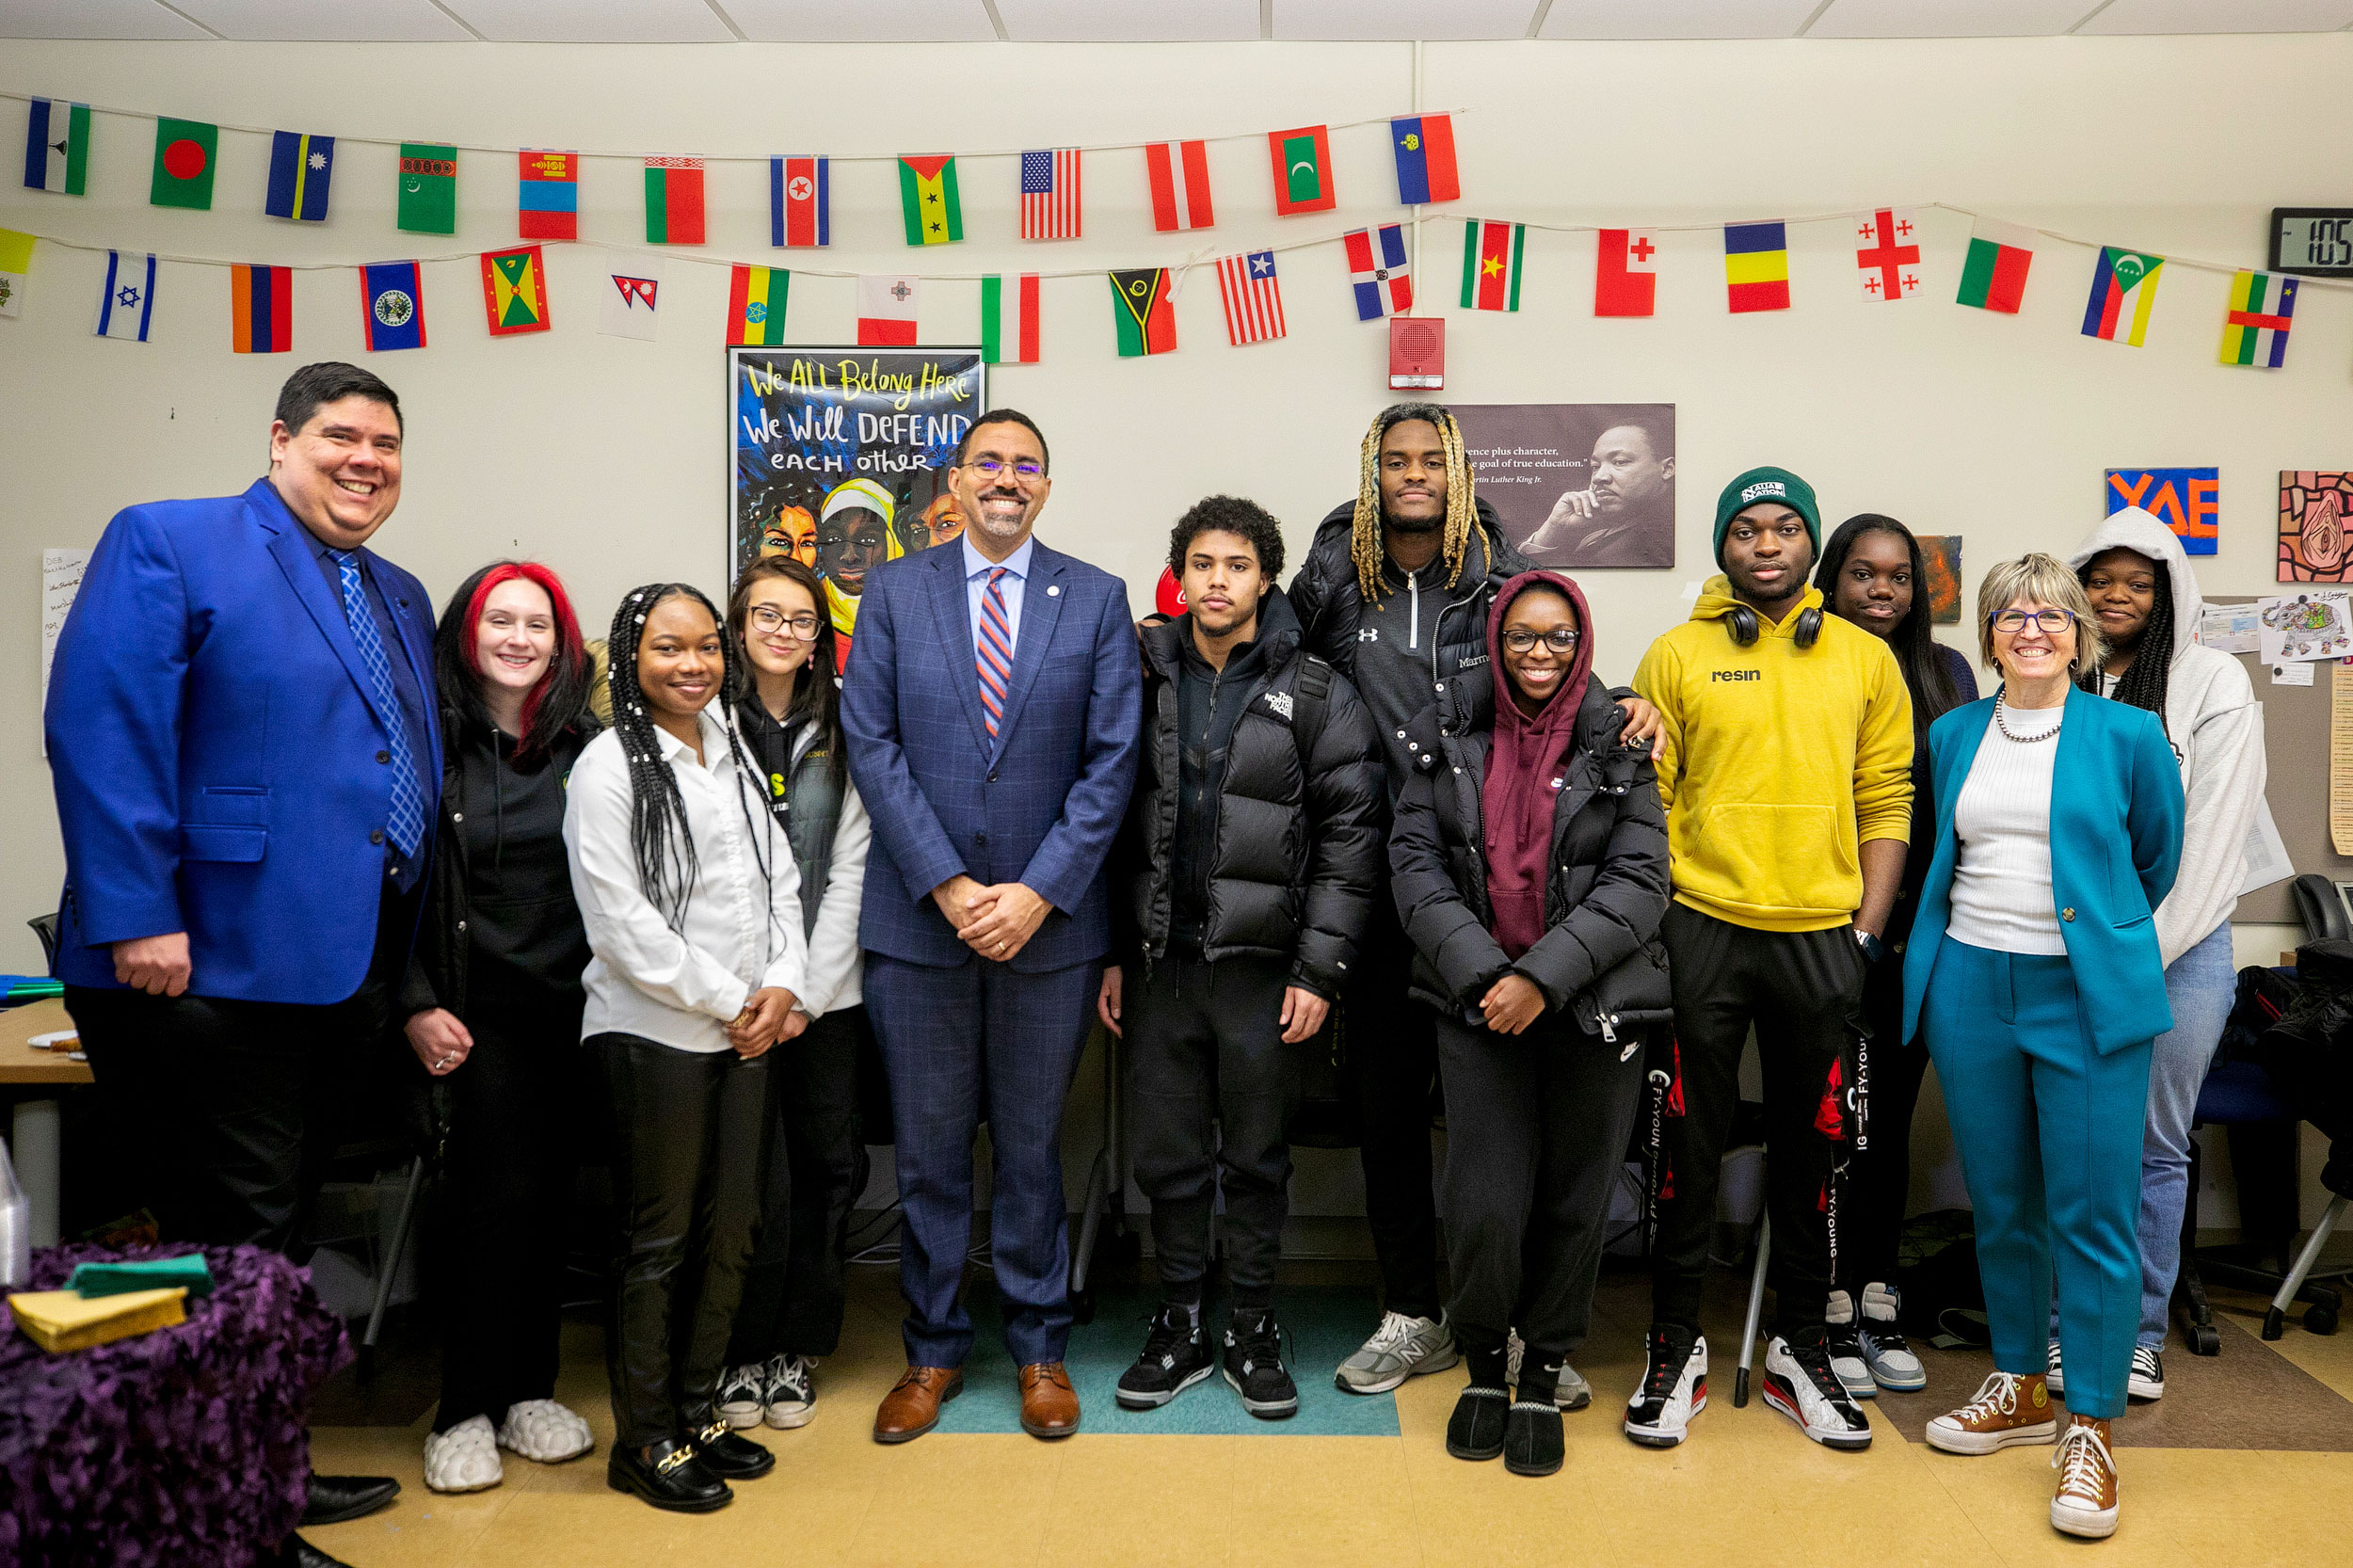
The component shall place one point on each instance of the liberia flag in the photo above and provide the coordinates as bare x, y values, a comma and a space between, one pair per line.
1377, 273
1253, 300
800, 201
1490, 265
1050, 193
1179, 171
1625, 273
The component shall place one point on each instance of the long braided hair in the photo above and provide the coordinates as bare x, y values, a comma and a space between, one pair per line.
2147, 679
660, 838
1364, 544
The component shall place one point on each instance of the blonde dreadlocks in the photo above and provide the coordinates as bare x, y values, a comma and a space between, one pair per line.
1365, 539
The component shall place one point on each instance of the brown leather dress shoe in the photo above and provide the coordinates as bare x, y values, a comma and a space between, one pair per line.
912, 1407
1049, 1406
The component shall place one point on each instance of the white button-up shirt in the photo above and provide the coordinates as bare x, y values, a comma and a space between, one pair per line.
742, 928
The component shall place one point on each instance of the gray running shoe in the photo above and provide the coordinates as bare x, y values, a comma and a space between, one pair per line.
1400, 1347
1570, 1391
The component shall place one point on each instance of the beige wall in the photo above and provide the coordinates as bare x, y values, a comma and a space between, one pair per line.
606, 458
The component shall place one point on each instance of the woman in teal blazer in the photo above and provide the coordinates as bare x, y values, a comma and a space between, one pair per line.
2033, 978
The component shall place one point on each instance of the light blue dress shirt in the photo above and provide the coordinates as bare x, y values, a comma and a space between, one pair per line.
976, 570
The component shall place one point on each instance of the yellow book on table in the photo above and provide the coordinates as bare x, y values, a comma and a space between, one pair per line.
63, 1321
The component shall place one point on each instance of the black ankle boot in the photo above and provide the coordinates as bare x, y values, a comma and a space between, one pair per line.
1475, 1430
724, 1453
1532, 1440
668, 1475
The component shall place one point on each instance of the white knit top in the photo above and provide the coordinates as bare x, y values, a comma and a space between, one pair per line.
2001, 897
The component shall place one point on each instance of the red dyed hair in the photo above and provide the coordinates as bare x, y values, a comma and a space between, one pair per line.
570, 651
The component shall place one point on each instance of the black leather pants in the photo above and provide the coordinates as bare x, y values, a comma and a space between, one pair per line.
690, 1132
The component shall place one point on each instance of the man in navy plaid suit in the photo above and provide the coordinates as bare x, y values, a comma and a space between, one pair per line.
992, 704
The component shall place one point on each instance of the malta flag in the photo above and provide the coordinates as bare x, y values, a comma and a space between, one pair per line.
1625, 273
1377, 272
1490, 265
2122, 289
1888, 253
260, 309
800, 201
674, 202
1253, 300
1179, 171
1009, 320
885, 312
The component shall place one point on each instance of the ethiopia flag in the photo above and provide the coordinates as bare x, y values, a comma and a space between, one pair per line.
515, 290
674, 202
2124, 288
260, 309
756, 306
1490, 265
186, 151
1143, 313
1756, 267
928, 200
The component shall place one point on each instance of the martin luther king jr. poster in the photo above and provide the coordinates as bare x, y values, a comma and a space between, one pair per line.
1578, 485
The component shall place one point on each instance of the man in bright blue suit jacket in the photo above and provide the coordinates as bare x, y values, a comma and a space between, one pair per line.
992, 704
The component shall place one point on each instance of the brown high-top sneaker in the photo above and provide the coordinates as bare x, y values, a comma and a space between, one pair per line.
2011, 1408
2086, 1502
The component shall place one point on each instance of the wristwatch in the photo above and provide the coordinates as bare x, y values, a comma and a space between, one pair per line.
1873, 948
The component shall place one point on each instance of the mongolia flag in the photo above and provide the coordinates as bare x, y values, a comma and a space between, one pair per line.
2122, 289
928, 202
1625, 273
300, 168
260, 309
1424, 145
1756, 267
885, 312
515, 290
2256, 331
800, 201
1252, 297
1490, 265
1994, 275
128, 301
1142, 313
674, 202
1009, 320
392, 297
1303, 171
756, 298
56, 147
547, 198
1377, 273
1180, 172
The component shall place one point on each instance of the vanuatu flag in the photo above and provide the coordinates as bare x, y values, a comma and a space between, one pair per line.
1756, 267
674, 202
1143, 313
2255, 332
260, 309
756, 306
1303, 171
1490, 265
515, 290
186, 151
300, 168
428, 188
2124, 288
928, 200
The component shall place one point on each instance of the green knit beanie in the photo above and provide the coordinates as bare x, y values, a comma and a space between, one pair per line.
1769, 484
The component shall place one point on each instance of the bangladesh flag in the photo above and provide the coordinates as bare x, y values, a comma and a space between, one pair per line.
1303, 171
1490, 265
428, 188
928, 200
186, 151
1994, 277
1143, 313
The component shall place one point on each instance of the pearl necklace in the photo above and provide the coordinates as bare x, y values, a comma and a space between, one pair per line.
1999, 705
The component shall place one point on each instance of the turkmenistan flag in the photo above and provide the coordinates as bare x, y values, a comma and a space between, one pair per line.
928, 200
428, 188
1141, 310
756, 306
186, 151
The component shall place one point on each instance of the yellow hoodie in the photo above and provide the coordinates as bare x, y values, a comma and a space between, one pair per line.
1780, 763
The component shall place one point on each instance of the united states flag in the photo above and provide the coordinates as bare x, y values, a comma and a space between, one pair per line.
1050, 193
1254, 301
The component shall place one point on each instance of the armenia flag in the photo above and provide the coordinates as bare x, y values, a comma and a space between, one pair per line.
515, 290
1009, 320
1142, 313
56, 147
928, 200
2255, 332
674, 202
126, 303
392, 297
1424, 145
260, 309
547, 195
1490, 265
1756, 267
1377, 273
300, 167
2124, 287
800, 200
756, 306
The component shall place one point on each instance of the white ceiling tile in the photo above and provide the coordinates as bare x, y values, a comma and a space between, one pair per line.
1402, 18
1950, 18
326, 21
593, 21
2221, 16
93, 19
861, 21
1129, 21
1702, 19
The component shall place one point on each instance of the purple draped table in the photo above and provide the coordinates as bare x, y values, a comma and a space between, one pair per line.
187, 1447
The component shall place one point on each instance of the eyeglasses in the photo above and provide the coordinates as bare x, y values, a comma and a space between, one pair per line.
2053, 621
989, 468
768, 619
1560, 639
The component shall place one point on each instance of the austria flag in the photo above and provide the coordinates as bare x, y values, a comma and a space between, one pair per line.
1625, 273
1181, 185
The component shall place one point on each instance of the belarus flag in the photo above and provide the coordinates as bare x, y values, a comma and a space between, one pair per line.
674, 202
1625, 273
1180, 184
886, 312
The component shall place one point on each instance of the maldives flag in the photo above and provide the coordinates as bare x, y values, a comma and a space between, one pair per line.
1625, 273
1993, 275
260, 309
1490, 265
1424, 145
1009, 320
1377, 272
1303, 171
800, 200
674, 202
1180, 172
886, 312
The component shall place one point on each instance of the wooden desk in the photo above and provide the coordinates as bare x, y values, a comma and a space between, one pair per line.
19, 1065
36, 1139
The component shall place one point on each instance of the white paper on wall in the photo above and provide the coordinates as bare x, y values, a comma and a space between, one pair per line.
61, 579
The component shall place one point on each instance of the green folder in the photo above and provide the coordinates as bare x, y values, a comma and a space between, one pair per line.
152, 1273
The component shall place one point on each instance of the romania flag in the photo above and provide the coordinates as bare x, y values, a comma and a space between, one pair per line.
260, 309
756, 306
1756, 267
928, 200
515, 290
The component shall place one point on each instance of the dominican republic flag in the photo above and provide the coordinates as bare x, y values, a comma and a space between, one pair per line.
1377, 271
129, 297
1009, 320
260, 309
1424, 145
301, 168
800, 200
1179, 171
392, 295
1050, 193
1625, 273
885, 312
1252, 299
56, 147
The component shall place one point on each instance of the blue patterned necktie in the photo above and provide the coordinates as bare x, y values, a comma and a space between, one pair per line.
408, 824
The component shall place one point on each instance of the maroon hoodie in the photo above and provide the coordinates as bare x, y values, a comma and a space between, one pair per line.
1526, 764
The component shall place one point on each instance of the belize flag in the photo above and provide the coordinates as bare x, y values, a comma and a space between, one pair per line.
393, 296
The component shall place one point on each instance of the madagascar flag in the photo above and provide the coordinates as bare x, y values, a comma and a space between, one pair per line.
1490, 265
674, 202
756, 306
1993, 277
260, 309
928, 200
1142, 313
1756, 267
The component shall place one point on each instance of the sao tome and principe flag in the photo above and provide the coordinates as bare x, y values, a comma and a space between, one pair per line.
515, 290
428, 188
1625, 273
1143, 313
674, 202
1180, 175
800, 200
1490, 265
392, 297
756, 296
2255, 330
1993, 274
260, 309
1009, 320
1424, 145
186, 152
547, 195
1756, 267
928, 200
301, 169
126, 300
885, 312
2124, 287
1377, 275
1303, 171
56, 147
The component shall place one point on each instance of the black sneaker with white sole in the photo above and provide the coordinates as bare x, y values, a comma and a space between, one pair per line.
1674, 1389
2054, 1376
1846, 1346
739, 1396
1254, 1364
1175, 1356
1801, 1383
2147, 1379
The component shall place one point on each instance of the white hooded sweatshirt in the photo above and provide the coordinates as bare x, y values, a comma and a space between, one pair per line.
2217, 727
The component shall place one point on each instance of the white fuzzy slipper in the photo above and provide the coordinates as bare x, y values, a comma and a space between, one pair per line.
544, 1430
463, 1459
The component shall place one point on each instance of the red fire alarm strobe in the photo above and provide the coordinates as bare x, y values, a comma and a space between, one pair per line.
1416, 353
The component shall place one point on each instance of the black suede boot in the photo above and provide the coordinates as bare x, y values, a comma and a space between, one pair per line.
1475, 1430
1532, 1441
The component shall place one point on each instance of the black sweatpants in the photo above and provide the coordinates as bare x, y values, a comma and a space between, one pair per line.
793, 1290
1205, 1044
1802, 990
1879, 1175
1537, 1126
691, 1129
1393, 1056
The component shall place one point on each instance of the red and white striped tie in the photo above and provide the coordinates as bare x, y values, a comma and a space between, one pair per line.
995, 652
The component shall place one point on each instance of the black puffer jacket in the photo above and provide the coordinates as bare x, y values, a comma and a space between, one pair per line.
1599, 956
1294, 854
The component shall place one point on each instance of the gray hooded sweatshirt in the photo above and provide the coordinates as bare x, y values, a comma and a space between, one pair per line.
2217, 727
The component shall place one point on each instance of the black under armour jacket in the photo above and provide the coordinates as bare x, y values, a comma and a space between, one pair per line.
1287, 848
